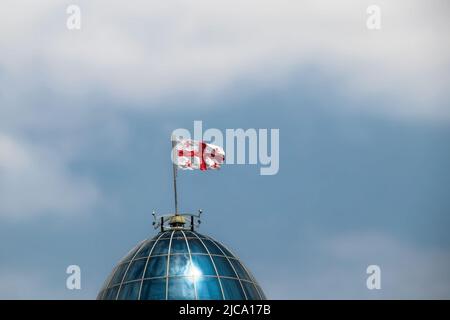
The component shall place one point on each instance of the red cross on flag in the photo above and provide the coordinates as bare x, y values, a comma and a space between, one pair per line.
192, 154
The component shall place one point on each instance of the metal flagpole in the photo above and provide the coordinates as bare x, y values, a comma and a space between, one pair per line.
174, 168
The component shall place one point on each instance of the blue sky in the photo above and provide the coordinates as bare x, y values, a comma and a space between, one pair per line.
86, 117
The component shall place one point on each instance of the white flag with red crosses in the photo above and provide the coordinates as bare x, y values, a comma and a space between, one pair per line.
191, 155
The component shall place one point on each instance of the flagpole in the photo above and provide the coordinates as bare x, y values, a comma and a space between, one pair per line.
174, 169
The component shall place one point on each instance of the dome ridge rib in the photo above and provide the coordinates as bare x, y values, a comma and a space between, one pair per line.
146, 265
168, 264
226, 256
191, 263
214, 264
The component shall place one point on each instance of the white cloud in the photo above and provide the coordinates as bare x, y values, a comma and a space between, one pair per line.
35, 181
147, 51
337, 270
151, 50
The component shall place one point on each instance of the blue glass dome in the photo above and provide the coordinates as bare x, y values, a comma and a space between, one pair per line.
179, 265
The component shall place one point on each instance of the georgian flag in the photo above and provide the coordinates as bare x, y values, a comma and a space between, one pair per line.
191, 154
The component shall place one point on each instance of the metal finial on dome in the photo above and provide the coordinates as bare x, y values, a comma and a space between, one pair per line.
177, 221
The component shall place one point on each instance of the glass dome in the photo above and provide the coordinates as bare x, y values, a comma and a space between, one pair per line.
179, 265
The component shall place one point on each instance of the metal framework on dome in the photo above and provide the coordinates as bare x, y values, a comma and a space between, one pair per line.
177, 221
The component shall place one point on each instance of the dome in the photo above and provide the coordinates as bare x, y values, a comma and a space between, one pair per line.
178, 265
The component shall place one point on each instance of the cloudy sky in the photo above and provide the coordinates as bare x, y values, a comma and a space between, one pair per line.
364, 119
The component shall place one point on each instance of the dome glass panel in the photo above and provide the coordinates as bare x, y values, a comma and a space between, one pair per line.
180, 265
